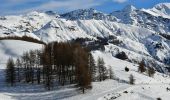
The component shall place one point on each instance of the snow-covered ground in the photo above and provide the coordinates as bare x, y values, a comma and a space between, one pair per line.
145, 88
140, 92
14, 49
137, 29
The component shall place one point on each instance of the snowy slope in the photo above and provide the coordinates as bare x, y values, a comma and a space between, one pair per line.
156, 18
139, 40
24, 24
14, 48
137, 29
87, 14
101, 90
162, 9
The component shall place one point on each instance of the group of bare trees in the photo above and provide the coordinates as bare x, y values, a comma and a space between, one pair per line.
57, 64
26, 69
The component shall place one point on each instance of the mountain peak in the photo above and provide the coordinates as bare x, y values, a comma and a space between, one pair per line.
162, 5
83, 14
129, 8
163, 8
33, 13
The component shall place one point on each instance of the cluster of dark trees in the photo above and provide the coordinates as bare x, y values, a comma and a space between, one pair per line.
121, 55
90, 44
97, 44
165, 36
142, 68
57, 64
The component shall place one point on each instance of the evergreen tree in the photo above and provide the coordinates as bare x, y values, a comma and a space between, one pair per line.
141, 67
131, 79
92, 67
101, 69
37, 65
18, 66
32, 59
10, 72
151, 71
111, 73
25, 60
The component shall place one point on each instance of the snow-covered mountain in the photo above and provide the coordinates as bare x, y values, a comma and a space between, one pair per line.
14, 49
87, 14
142, 34
139, 30
162, 8
156, 18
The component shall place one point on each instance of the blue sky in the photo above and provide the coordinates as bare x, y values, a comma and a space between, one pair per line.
8, 7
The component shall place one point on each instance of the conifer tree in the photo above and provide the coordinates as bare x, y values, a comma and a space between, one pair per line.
151, 71
10, 72
111, 73
141, 67
18, 66
131, 79
32, 59
101, 69
92, 67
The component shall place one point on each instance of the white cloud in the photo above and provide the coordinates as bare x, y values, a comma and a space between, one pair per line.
20, 1
58, 5
68, 4
119, 1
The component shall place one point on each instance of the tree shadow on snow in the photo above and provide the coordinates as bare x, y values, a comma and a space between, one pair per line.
34, 91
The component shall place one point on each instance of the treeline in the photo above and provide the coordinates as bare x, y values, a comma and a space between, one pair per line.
97, 44
58, 64
23, 38
165, 36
